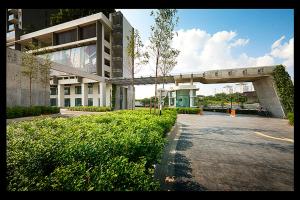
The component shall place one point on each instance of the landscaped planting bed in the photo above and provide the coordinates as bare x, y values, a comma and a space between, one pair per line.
90, 108
22, 111
185, 110
111, 152
291, 118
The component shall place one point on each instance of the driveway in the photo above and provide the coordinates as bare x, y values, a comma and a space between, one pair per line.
221, 153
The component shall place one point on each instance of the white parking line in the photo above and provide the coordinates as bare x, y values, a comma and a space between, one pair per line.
276, 138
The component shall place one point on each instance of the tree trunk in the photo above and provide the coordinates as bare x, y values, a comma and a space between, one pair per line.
155, 98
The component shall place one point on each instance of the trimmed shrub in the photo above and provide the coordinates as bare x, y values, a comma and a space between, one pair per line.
19, 111
111, 152
291, 118
90, 108
185, 110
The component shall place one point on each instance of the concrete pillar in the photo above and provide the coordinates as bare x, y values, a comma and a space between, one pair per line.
191, 99
84, 91
268, 97
60, 95
176, 83
192, 81
102, 94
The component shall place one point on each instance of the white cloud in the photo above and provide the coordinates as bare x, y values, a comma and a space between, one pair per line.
201, 51
284, 51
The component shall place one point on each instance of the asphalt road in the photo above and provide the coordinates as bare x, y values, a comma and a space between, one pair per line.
216, 152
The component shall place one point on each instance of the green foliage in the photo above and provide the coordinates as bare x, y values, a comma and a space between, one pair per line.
65, 15
285, 88
291, 118
20, 111
185, 110
90, 108
111, 152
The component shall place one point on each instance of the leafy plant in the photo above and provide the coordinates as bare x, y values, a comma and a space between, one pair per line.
285, 88
291, 118
20, 111
111, 152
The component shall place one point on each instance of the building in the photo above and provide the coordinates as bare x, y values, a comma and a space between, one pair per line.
182, 96
22, 21
94, 44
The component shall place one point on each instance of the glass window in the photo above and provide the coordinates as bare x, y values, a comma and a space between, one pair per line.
77, 89
66, 37
53, 91
78, 102
90, 101
88, 32
67, 102
90, 86
53, 102
106, 50
80, 57
67, 90
106, 62
106, 74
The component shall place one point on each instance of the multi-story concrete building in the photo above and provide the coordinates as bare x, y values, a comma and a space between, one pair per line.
22, 21
94, 44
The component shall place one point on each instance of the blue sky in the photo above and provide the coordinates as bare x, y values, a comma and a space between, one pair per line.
257, 30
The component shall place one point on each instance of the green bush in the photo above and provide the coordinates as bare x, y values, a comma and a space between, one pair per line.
90, 108
185, 110
20, 111
291, 118
111, 152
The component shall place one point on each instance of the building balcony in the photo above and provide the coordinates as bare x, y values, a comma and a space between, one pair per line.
13, 19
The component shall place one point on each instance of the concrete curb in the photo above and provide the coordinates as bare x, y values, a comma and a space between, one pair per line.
165, 170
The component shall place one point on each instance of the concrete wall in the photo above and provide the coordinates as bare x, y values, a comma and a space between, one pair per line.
17, 85
267, 96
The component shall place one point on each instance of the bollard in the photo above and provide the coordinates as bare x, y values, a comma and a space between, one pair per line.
233, 114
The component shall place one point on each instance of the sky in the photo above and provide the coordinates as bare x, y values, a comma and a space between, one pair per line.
210, 39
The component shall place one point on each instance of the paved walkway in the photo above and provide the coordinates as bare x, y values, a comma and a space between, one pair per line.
217, 152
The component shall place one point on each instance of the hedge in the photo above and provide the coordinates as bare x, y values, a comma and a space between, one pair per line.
238, 111
291, 118
111, 152
185, 110
90, 108
21, 111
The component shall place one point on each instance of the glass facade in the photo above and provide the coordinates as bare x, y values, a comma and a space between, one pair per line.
78, 102
67, 102
80, 57
90, 86
77, 89
67, 90
90, 101
53, 101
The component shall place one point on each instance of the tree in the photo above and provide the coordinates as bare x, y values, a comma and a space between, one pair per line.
138, 57
30, 67
161, 36
45, 74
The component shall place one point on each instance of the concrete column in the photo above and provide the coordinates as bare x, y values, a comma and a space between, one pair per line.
267, 96
190, 94
60, 95
102, 94
176, 83
84, 91
192, 81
